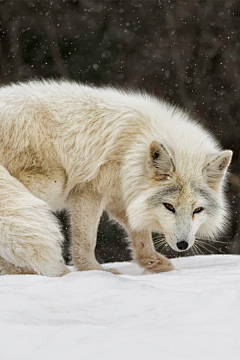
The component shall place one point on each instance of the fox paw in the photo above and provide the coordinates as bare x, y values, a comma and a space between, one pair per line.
154, 263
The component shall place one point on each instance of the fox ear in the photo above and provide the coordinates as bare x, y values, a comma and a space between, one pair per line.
160, 163
215, 169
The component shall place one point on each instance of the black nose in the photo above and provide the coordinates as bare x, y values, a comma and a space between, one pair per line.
182, 245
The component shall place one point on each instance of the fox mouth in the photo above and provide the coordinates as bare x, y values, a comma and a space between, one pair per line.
201, 245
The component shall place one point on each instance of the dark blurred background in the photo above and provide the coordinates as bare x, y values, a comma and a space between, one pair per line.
187, 52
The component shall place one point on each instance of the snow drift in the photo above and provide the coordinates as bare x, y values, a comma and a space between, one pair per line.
190, 313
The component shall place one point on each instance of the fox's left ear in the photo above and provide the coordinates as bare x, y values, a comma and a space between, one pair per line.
159, 162
215, 169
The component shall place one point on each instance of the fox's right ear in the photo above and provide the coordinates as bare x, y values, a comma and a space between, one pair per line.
159, 162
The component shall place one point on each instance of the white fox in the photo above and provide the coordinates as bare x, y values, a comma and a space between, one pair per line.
86, 149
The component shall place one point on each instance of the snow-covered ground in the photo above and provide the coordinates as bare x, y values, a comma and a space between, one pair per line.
190, 313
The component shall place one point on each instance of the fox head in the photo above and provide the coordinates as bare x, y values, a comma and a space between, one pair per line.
184, 199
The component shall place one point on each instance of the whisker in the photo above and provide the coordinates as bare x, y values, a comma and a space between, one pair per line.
205, 248
194, 250
206, 244
159, 243
158, 236
212, 240
165, 247
199, 249
203, 245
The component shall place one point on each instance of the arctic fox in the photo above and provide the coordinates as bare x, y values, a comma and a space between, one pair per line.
86, 149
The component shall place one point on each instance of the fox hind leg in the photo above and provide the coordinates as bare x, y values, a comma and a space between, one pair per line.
10, 269
30, 236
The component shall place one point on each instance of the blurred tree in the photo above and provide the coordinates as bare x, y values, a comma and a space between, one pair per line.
187, 52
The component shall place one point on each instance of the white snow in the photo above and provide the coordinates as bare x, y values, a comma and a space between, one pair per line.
190, 313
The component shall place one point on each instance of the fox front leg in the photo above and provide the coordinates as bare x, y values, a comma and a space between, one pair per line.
143, 251
86, 206
145, 255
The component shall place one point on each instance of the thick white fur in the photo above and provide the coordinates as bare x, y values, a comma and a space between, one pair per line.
86, 149
29, 232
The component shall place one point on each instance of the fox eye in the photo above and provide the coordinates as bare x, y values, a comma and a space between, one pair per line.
169, 207
198, 210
